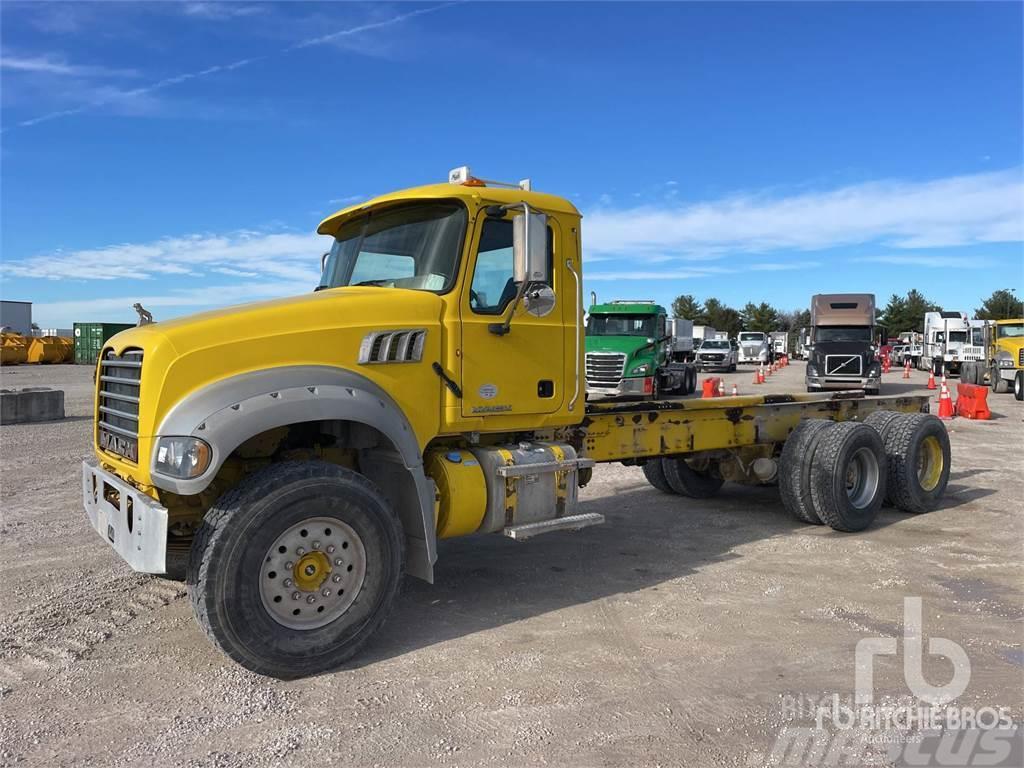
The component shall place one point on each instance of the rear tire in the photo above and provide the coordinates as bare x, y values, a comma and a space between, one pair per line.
655, 474
917, 449
848, 476
1018, 386
795, 468
238, 601
687, 481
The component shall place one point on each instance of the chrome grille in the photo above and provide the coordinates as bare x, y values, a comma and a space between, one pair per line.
843, 365
605, 368
1020, 358
117, 405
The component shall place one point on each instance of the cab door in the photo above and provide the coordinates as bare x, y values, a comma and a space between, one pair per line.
520, 372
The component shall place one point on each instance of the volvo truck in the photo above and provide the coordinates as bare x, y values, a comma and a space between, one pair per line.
842, 353
296, 457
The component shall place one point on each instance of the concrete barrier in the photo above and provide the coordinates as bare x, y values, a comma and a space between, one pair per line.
19, 406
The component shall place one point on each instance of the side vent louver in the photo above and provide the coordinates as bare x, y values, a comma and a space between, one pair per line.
404, 346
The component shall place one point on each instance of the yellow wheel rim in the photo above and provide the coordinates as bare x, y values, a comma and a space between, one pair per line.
929, 463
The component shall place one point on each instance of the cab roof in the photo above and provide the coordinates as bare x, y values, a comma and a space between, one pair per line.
628, 308
472, 196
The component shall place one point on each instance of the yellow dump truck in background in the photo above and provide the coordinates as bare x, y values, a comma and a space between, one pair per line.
1002, 366
295, 457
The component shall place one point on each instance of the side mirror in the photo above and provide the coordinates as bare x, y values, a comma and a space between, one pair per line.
323, 261
530, 248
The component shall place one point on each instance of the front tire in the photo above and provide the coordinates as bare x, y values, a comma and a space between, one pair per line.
1018, 386
999, 385
281, 608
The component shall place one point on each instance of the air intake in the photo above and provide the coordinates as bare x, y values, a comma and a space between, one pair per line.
392, 346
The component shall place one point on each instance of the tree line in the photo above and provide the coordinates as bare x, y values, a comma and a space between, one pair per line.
901, 313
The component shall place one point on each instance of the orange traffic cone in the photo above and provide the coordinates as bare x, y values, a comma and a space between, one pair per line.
906, 368
757, 377
721, 388
735, 391
931, 380
945, 403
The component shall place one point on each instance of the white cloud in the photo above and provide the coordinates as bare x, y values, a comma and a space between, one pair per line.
246, 253
928, 260
958, 210
220, 11
49, 64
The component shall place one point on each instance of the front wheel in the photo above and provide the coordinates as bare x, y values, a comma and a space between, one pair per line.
999, 385
293, 570
1018, 386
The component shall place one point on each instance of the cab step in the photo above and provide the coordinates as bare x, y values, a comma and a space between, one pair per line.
569, 523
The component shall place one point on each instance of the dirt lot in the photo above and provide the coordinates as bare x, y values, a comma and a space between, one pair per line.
672, 635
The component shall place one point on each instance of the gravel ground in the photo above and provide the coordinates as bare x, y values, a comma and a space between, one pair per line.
672, 635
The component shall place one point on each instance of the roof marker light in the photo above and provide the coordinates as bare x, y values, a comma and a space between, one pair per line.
464, 177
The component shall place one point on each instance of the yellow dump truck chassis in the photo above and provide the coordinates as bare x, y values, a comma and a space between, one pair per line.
276, 562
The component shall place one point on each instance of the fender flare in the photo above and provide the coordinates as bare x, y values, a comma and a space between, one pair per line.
227, 413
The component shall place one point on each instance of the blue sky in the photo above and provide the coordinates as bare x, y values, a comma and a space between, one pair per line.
182, 154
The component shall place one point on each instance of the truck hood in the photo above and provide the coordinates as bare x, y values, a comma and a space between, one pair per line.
322, 328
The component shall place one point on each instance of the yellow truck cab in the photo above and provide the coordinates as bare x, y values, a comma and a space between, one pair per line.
292, 458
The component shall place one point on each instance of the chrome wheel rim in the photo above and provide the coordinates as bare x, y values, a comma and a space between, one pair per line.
312, 573
862, 477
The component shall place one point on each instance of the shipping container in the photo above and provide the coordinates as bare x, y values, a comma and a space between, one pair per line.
90, 338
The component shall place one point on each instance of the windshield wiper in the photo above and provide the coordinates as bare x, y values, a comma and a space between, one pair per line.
375, 283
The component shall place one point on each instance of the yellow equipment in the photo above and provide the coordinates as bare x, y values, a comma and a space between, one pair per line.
47, 349
13, 349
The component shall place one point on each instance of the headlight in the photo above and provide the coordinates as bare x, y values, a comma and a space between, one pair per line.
812, 369
642, 369
1005, 362
182, 457
874, 371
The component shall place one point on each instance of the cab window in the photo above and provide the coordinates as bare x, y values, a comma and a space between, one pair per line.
493, 287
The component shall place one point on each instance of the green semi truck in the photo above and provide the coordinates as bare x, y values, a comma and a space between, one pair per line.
632, 350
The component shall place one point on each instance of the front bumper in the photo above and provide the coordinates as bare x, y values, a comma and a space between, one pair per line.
712, 365
837, 382
130, 521
639, 385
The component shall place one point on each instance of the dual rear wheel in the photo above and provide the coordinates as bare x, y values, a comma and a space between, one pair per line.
841, 473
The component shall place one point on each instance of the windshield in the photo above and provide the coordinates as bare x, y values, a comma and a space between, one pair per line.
958, 336
714, 344
751, 337
621, 325
415, 246
1010, 331
842, 333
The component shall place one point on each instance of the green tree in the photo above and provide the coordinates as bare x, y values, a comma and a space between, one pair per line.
761, 317
1001, 305
686, 306
893, 317
722, 317
906, 313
